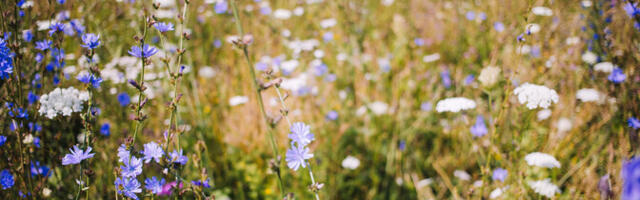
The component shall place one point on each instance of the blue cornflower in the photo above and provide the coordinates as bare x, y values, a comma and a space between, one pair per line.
260, 66
631, 179
418, 41
124, 99
631, 9
132, 167
301, 134
152, 151
61, 1
57, 57
479, 129
39, 57
617, 76
321, 69
36, 141
6, 179
88, 78
76, 156
35, 127
327, 37
499, 174
56, 27
123, 154
332, 115
105, 129
27, 36
402, 145
297, 156
163, 27
37, 169
633, 122
201, 183
446, 79
221, 7
469, 79
3, 139
128, 187
154, 185
32, 97
90, 40
77, 26
145, 52
177, 157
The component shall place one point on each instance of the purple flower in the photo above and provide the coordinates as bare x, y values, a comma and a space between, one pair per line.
498, 26
128, 187
152, 151
3, 139
479, 129
470, 15
201, 183
500, 174
144, 52
617, 76
633, 122
418, 41
154, 185
167, 188
332, 115
301, 134
37, 169
163, 27
446, 80
426, 106
124, 99
6, 179
221, 7
177, 157
27, 36
123, 153
631, 179
90, 40
469, 79
56, 27
105, 129
43, 45
631, 9
296, 156
132, 167
88, 78
76, 156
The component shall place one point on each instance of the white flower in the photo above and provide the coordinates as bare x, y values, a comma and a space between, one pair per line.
564, 125
572, 40
489, 76
604, 67
431, 58
533, 28
46, 192
536, 95
424, 182
542, 160
206, 72
544, 114
27, 139
586, 3
497, 192
455, 104
298, 11
378, 107
350, 162
387, 2
282, 14
589, 57
544, 187
62, 101
237, 100
327, 23
588, 95
462, 175
542, 11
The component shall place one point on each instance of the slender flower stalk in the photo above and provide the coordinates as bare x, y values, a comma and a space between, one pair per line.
256, 85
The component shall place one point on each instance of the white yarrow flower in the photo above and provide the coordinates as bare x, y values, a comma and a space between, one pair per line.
237, 100
536, 96
489, 76
604, 67
378, 107
497, 192
542, 11
542, 160
588, 95
62, 101
350, 162
462, 175
431, 57
544, 114
327, 23
589, 57
282, 14
544, 188
455, 104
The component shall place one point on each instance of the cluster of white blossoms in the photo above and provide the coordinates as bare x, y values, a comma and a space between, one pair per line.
536, 95
350, 162
544, 187
542, 160
588, 95
604, 67
62, 101
489, 76
455, 104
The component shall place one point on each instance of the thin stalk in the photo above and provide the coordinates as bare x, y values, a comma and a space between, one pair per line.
141, 82
259, 95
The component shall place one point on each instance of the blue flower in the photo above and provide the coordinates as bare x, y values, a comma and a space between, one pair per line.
221, 7
37, 169
89, 78
105, 129
631, 9
128, 187
479, 129
163, 27
27, 36
469, 79
90, 40
418, 41
61, 1
145, 52
201, 183
56, 27
177, 157
498, 26
77, 26
6, 60
6, 179
32, 97
332, 115
154, 185
521, 38
426, 106
36, 142
446, 79
617, 76
123, 154
152, 151
301, 134
499, 174
132, 167
633, 122
297, 156
470, 15
631, 179
124, 99
3, 139
76, 156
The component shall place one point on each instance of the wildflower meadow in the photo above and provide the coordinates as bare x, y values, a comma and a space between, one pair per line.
319, 99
